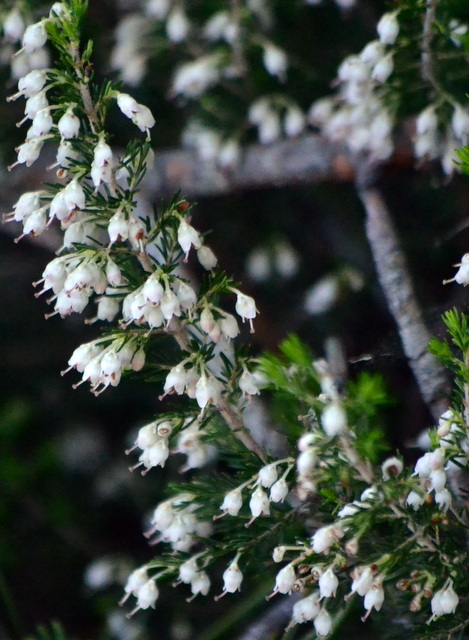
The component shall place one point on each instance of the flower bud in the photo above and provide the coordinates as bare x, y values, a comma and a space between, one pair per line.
391, 467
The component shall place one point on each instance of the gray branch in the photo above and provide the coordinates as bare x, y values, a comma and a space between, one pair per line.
306, 160
393, 275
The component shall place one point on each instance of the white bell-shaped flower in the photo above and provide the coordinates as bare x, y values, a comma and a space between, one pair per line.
147, 595
200, 584
268, 475
306, 462
13, 25
363, 580
259, 503
177, 25
415, 500
275, 61
334, 419
232, 578
176, 380
163, 516
248, 383
206, 257
29, 151
246, 308
323, 623
232, 502
188, 570
34, 37
279, 491
207, 391
118, 228
328, 583
388, 28
445, 600
374, 598
325, 537
306, 609
228, 326
285, 579
69, 125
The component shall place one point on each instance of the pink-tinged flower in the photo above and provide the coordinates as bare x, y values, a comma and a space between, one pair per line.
232, 578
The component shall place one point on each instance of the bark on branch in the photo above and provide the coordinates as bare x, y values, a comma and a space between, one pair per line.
305, 160
397, 287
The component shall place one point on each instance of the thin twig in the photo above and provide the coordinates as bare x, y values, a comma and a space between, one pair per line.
428, 32
90, 108
393, 275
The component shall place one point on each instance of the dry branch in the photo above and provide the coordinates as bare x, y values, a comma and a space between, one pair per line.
397, 287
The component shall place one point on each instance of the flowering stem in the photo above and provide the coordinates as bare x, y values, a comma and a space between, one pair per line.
88, 104
466, 391
230, 414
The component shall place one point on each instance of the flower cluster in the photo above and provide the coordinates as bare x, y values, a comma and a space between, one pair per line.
259, 503
177, 524
362, 117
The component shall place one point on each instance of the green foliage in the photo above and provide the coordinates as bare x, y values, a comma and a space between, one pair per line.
55, 632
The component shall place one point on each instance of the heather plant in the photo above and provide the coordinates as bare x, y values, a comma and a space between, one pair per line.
333, 517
